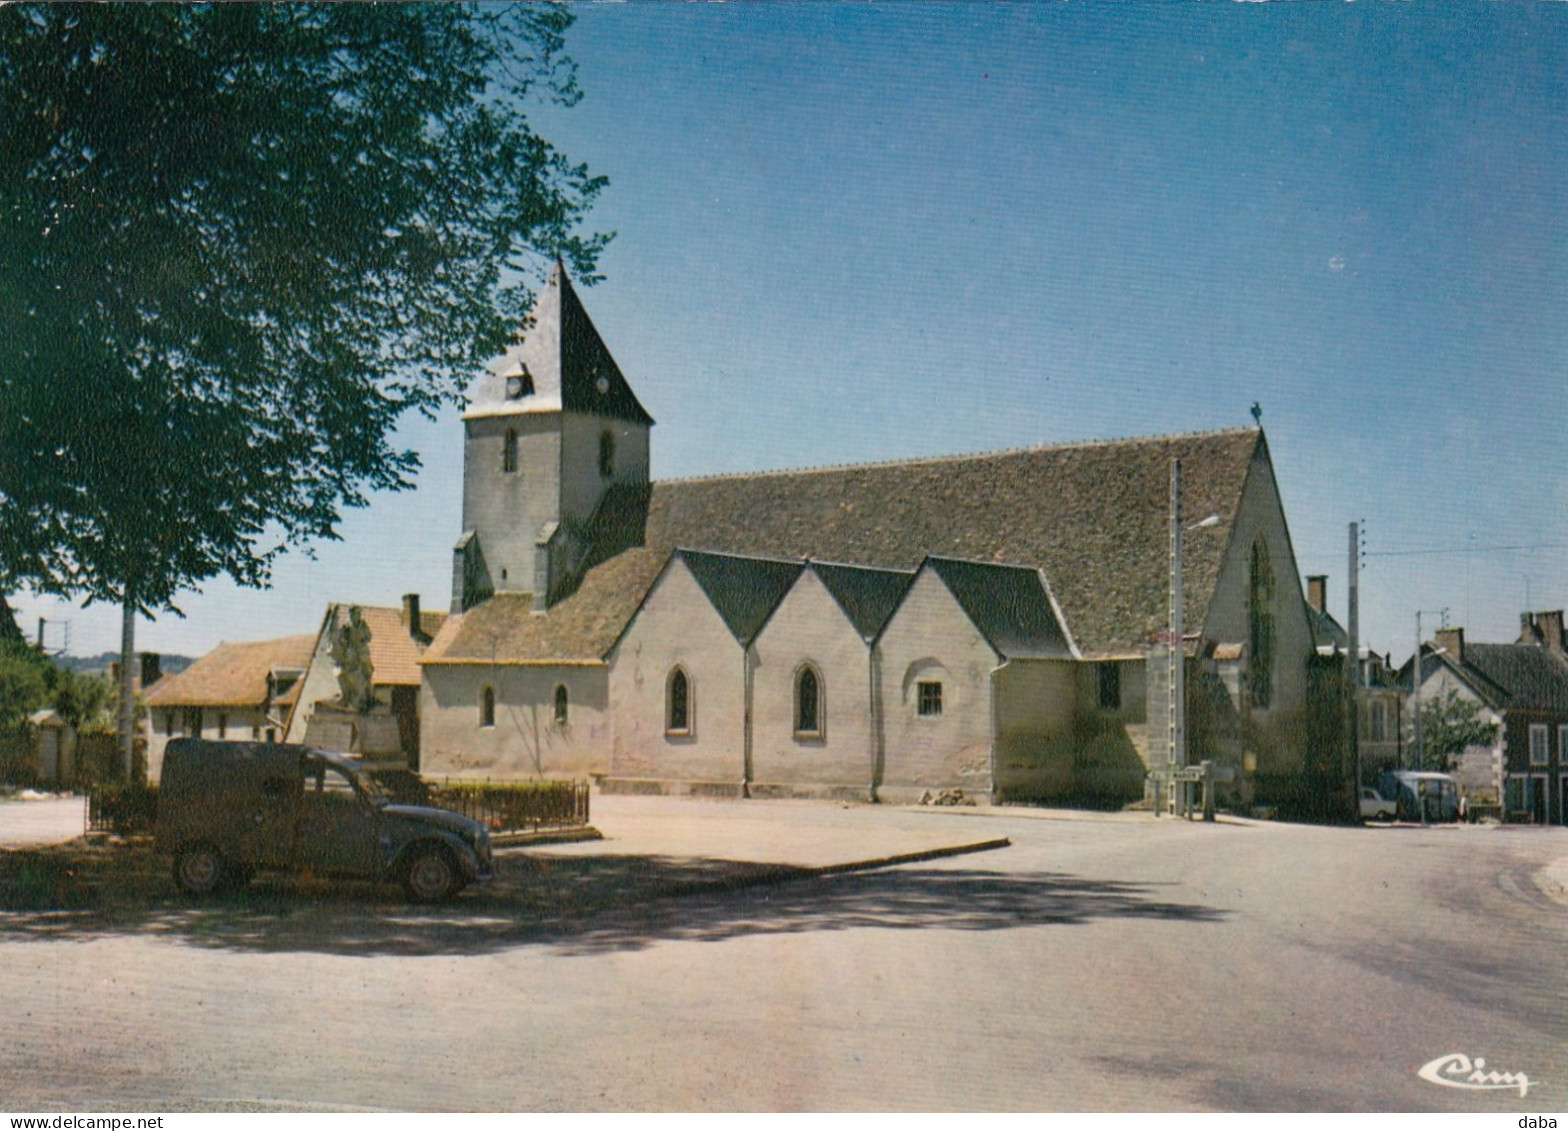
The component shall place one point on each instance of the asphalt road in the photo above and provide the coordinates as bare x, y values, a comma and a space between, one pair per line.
1098, 963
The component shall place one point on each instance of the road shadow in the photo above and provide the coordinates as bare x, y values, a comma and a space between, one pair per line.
575, 905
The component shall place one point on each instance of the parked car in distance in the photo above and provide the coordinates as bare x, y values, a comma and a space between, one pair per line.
228, 809
1374, 806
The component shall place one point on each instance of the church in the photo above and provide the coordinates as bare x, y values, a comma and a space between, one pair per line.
991, 623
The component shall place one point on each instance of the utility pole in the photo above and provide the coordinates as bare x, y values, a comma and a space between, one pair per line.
1176, 653
1415, 697
1353, 715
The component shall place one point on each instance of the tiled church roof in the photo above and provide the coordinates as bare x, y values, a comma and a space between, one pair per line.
562, 363
868, 596
505, 629
1093, 517
1008, 604
744, 590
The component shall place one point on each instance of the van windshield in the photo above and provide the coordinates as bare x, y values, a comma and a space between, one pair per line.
371, 788
322, 777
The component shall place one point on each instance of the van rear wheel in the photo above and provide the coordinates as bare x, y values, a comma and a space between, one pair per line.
200, 869
431, 876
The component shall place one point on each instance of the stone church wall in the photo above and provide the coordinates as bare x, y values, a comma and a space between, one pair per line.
808, 627
525, 741
930, 639
678, 626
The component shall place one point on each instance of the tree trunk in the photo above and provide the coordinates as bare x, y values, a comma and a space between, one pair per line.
127, 689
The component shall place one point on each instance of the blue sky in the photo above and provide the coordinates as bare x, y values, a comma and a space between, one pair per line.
851, 233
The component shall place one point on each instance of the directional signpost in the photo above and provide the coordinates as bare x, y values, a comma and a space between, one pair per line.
1204, 773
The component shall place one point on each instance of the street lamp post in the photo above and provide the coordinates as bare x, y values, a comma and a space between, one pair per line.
1175, 653
1415, 696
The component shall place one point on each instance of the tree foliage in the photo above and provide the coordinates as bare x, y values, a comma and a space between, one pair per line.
29, 681
1449, 726
237, 243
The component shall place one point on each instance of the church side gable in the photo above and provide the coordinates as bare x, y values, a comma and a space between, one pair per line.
1259, 536
677, 630
809, 631
930, 640
1258, 603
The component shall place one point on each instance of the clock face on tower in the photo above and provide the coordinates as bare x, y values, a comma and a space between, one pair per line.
602, 384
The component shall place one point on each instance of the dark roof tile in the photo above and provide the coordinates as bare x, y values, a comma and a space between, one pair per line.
868, 596
1008, 604
1093, 517
1535, 677
744, 590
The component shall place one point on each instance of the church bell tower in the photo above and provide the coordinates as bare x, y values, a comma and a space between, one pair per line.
555, 460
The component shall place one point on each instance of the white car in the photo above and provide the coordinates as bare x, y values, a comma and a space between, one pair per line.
1374, 806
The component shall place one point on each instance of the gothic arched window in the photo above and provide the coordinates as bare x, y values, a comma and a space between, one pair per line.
677, 703
561, 704
1260, 625
487, 707
509, 451
808, 701
607, 454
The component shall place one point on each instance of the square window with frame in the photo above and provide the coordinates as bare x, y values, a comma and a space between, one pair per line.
928, 698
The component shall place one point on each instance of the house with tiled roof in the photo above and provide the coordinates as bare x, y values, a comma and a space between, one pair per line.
398, 637
1523, 686
565, 539
238, 691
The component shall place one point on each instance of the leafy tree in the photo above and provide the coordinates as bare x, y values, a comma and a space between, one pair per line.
30, 681
9, 629
84, 701
24, 683
237, 243
1449, 726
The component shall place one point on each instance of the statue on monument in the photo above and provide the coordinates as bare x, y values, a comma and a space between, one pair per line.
351, 654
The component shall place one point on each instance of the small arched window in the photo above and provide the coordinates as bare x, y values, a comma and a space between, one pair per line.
487, 707
509, 451
808, 702
677, 711
607, 454
561, 704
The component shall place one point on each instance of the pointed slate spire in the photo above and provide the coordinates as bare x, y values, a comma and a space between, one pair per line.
560, 365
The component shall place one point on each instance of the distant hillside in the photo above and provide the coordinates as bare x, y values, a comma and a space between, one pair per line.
99, 665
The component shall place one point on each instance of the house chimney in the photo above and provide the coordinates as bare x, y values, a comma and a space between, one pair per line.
1527, 633
1452, 639
1550, 626
152, 669
1317, 592
416, 628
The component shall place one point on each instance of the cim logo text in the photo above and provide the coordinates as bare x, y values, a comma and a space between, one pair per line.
1456, 1070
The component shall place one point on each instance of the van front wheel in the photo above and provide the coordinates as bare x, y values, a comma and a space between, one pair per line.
200, 869
431, 876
